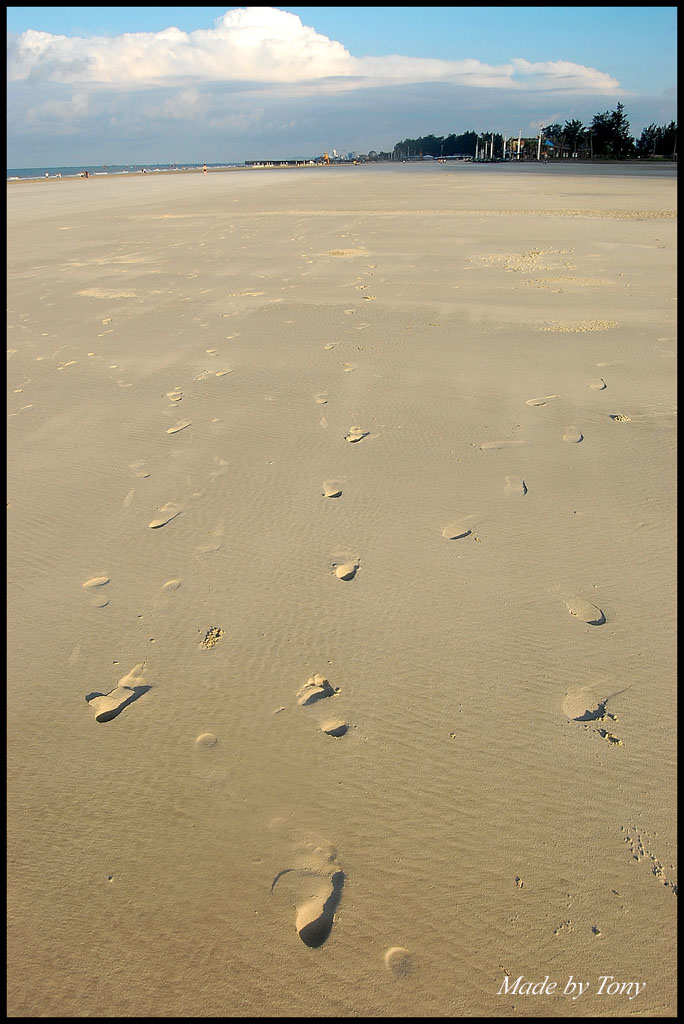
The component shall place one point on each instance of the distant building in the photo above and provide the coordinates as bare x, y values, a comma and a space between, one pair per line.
279, 163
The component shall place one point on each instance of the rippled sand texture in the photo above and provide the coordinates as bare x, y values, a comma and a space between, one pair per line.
341, 519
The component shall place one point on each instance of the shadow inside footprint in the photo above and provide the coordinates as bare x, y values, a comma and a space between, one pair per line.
108, 705
316, 911
515, 485
356, 434
584, 610
346, 571
166, 514
455, 531
332, 489
316, 688
598, 715
335, 728
585, 704
315, 919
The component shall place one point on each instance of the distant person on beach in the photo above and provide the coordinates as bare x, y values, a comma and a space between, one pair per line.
204, 169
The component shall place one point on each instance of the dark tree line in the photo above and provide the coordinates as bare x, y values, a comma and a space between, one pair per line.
437, 146
607, 137
657, 141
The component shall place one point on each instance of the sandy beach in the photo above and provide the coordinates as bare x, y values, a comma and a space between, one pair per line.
341, 593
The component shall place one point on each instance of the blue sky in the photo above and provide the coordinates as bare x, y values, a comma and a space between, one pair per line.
89, 85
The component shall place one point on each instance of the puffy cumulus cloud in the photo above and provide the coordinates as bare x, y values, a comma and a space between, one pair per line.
267, 46
251, 44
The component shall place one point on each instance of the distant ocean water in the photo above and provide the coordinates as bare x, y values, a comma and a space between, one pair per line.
27, 173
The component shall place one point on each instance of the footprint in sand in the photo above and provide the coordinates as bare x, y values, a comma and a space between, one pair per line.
166, 514
335, 727
332, 489
585, 611
315, 688
355, 435
96, 581
598, 385
349, 367
212, 637
540, 401
457, 529
321, 399
330, 346
399, 961
515, 485
215, 542
175, 396
573, 435
94, 587
222, 468
131, 686
345, 570
181, 425
588, 704
487, 446
314, 884
140, 470
205, 741
619, 418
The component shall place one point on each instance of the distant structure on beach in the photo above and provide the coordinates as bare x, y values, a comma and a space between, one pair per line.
282, 163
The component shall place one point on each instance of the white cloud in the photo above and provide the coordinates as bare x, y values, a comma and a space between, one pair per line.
184, 104
68, 112
553, 75
267, 46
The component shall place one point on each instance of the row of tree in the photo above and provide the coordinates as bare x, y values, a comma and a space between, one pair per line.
607, 137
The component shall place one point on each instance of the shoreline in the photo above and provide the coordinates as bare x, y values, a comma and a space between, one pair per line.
563, 166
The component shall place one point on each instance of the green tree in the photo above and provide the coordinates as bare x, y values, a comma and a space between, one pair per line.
484, 140
610, 134
658, 140
647, 144
465, 143
575, 134
426, 145
668, 141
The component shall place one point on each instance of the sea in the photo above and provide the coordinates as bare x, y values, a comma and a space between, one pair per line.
35, 173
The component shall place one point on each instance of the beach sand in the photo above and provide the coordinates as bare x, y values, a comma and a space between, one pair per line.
341, 593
